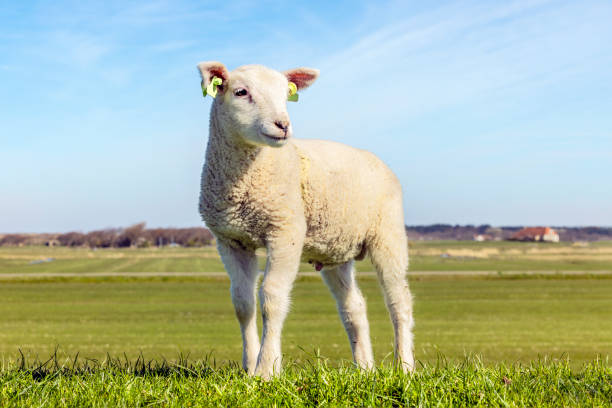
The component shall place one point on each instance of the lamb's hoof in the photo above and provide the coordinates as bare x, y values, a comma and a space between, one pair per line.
267, 373
266, 376
365, 365
408, 368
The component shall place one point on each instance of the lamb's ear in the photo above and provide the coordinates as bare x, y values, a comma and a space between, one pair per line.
302, 77
210, 69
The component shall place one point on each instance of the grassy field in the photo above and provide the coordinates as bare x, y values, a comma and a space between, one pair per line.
499, 319
425, 256
502, 323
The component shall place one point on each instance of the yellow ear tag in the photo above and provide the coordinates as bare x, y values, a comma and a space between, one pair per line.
293, 95
211, 89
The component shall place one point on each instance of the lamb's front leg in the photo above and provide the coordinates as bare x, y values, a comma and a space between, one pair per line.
281, 270
241, 265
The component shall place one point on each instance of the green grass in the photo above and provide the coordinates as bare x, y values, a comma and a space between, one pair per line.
425, 256
550, 336
498, 319
469, 383
80, 260
510, 256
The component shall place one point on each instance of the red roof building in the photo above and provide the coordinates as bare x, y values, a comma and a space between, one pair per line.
545, 234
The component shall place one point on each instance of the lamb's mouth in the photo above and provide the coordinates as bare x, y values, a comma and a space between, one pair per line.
275, 138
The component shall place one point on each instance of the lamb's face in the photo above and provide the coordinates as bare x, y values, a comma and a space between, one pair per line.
251, 103
254, 106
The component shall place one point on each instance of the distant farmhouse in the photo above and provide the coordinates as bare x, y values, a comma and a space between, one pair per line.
544, 234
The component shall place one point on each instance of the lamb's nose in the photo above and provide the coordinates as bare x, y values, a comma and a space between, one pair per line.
282, 125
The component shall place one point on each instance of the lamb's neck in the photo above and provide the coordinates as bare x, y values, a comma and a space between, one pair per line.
227, 160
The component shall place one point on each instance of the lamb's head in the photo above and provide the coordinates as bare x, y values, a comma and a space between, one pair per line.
251, 102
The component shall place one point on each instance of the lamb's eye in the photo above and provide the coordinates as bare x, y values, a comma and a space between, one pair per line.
240, 92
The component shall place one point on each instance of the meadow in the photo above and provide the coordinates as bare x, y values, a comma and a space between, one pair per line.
534, 307
432, 256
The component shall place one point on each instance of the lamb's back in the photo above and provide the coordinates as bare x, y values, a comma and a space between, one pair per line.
343, 190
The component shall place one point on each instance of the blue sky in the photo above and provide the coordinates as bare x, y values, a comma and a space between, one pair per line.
489, 112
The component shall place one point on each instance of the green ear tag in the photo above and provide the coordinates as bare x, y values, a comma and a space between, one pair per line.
293, 95
211, 89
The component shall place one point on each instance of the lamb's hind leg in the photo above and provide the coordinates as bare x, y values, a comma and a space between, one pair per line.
241, 265
390, 258
352, 310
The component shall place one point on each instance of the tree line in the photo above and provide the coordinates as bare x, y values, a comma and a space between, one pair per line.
467, 232
133, 236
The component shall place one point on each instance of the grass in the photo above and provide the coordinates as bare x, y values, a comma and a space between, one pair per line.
425, 256
549, 337
514, 320
151, 383
81, 260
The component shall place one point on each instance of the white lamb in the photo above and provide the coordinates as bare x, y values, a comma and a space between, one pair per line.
320, 201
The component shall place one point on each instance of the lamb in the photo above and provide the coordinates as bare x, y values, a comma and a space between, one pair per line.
315, 200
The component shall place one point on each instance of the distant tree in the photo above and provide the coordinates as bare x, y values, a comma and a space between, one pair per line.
13, 240
131, 235
483, 228
72, 239
102, 238
160, 236
196, 237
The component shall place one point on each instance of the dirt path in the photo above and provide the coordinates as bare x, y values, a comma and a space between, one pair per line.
219, 274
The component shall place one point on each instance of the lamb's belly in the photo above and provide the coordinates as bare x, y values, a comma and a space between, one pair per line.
334, 235
333, 250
